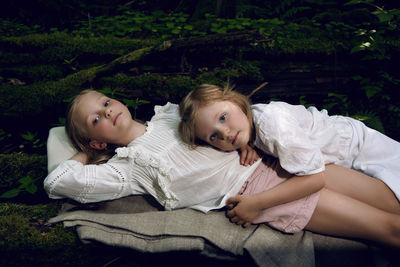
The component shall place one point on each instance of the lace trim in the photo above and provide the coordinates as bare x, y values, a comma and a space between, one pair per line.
52, 183
163, 195
89, 186
121, 177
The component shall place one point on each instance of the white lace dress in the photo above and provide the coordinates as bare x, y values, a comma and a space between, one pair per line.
157, 163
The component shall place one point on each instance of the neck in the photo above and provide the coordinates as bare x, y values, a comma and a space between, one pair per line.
136, 130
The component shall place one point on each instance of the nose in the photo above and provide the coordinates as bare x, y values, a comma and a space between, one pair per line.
108, 112
225, 133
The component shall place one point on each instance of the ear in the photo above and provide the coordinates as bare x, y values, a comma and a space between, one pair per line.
97, 145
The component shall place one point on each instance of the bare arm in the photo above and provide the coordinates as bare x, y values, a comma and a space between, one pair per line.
247, 207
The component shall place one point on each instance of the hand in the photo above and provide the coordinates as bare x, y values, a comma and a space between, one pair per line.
242, 209
248, 155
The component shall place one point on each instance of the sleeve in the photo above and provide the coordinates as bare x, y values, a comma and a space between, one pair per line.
90, 183
284, 130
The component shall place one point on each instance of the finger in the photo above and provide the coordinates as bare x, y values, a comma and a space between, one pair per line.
235, 219
230, 206
250, 158
247, 224
230, 213
240, 222
232, 200
243, 155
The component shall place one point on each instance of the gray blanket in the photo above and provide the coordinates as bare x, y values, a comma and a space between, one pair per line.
135, 223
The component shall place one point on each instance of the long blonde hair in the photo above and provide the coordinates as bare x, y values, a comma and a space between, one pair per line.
204, 95
79, 139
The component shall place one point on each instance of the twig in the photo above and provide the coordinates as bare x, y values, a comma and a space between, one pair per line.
258, 88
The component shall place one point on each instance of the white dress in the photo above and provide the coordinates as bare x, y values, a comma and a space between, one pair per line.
305, 140
157, 163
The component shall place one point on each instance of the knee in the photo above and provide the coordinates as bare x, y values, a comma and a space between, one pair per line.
391, 231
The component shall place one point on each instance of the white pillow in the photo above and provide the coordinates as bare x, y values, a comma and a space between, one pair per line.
59, 148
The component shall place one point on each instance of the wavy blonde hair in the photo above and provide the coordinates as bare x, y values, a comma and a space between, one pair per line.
204, 95
79, 138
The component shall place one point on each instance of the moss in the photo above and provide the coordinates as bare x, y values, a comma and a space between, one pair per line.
35, 73
26, 102
173, 88
59, 46
23, 227
15, 166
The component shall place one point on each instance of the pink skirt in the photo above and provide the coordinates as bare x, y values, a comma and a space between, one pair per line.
290, 217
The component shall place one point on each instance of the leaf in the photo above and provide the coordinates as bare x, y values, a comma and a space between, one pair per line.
25, 180
31, 188
29, 136
372, 90
11, 193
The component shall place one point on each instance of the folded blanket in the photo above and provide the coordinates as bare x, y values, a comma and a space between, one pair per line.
135, 223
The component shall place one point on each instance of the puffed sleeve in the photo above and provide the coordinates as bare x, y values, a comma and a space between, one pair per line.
284, 131
90, 183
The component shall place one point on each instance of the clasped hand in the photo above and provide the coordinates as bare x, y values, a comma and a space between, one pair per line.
248, 155
242, 209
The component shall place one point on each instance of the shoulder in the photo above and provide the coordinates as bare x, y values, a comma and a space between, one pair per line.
268, 112
166, 109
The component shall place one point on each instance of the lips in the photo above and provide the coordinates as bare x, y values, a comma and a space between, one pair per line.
116, 118
235, 138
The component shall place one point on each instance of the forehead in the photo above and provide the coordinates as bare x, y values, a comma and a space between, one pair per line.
86, 104
207, 117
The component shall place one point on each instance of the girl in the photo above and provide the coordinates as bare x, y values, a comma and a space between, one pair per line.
304, 140
152, 159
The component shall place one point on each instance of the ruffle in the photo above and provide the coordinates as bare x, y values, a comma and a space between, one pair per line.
160, 111
163, 179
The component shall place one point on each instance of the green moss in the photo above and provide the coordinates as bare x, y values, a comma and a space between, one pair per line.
175, 87
23, 227
26, 102
18, 165
59, 46
35, 73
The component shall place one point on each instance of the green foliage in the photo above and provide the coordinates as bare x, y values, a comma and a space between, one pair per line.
135, 104
59, 46
27, 184
371, 119
22, 173
32, 139
12, 28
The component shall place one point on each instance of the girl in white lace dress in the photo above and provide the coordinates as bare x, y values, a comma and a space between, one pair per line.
151, 159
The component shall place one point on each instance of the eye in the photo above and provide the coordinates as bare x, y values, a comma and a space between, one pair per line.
96, 120
223, 117
213, 136
107, 103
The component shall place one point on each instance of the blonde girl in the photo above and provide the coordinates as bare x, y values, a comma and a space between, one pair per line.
304, 140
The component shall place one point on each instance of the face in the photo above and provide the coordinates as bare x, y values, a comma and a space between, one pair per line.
223, 125
103, 119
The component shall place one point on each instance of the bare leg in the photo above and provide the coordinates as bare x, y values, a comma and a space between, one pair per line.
339, 215
359, 186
